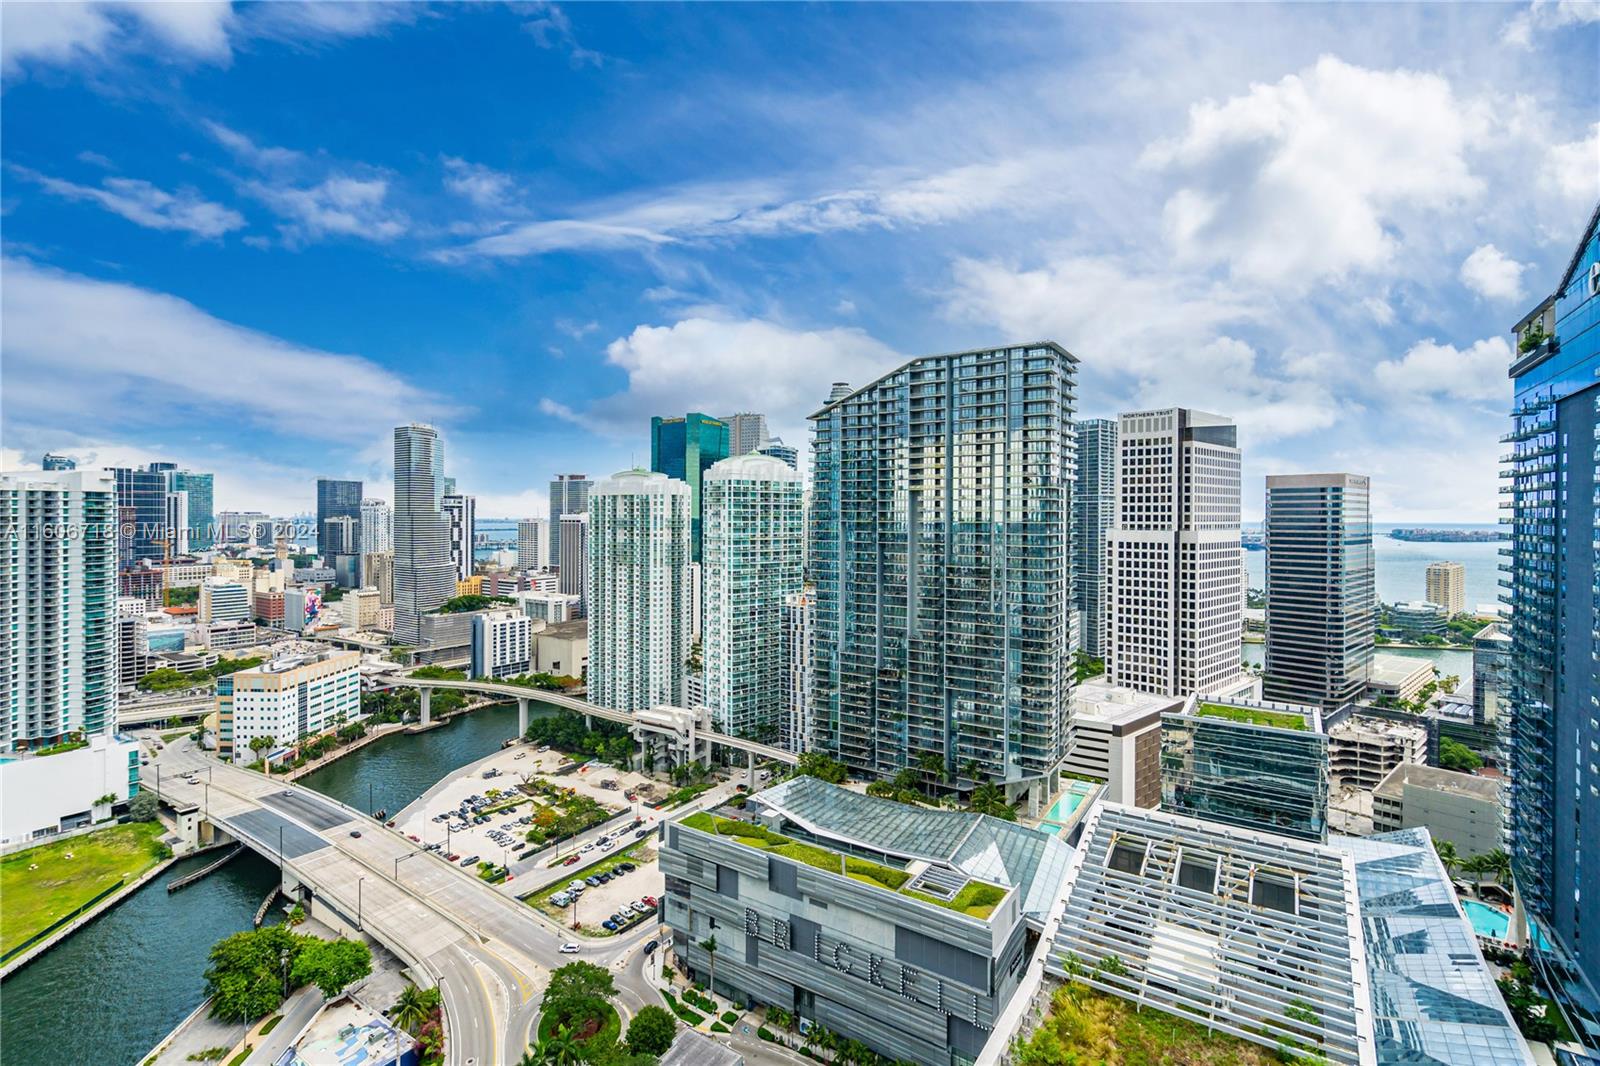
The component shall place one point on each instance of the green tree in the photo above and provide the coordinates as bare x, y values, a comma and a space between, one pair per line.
1454, 755
651, 1031
988, 798
144, 807
1447, 856
411, 1009
261, 745
247, 971
332, 965
709, 946
817, 764
931, 763
560, 1048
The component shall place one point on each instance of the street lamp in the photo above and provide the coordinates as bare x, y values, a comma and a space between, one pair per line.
397, 860
358, 902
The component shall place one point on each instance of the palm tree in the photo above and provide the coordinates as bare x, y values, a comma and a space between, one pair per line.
1475, 866
560, 1048
709, 946
260, 745
931, 763
411, 1009
199, 735
1447, 856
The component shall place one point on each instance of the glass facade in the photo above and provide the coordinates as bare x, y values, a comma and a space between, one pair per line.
1093, 510
1551, 489
336, 499
202, 518
685, 448
941, 549
142, 517
1227, 763
424, 577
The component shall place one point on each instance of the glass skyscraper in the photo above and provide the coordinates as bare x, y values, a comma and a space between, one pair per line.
142, 514
201, 516
424, 577
336, 499
1552, 483
752, 563
941, 548
685, 448
1094, 508
1321, 596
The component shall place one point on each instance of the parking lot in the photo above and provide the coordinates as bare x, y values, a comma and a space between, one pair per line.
597, 902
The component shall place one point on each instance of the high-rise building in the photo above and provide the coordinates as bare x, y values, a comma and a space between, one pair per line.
177, 523
377, 527
1321, 596
637, 593
342, 536
569, 494
1554, 481
1174, 572
377, 571
242, 527
224, 601
796, 644
287, 699
573, 560
1446, 585
940, 544
685, 448
1094, 507
58, 604
501, 644
335, 498
424, 577
142, 514
752, 563
779, 450
462, 513
1491, 684
746, 433
52, 461
533, 544
200, 519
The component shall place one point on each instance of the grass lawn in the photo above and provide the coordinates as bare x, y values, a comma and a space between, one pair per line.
1252, 716
541, 898
1086, 1026
36, 898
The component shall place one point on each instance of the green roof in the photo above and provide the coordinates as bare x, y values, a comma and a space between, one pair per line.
1253, 716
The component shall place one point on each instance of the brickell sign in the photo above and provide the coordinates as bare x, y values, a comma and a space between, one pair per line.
908, 982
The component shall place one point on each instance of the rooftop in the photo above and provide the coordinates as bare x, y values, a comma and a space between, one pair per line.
695, 1049
1265, 715
1105, 702
1391, 669
1370, 724
578, 627
1432, 777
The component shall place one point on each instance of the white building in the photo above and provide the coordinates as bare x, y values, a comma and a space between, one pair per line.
549, 607
501, 644
45, 794
533, 544
462, 514
58, 595
1173, 564
1114, 736
637, 595
377, 527
750, 558
1461, 808
562, 649
287, 699
797, 641
224, 601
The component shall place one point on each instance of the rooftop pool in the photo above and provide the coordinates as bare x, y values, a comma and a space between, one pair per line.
1062, 810
1494, 922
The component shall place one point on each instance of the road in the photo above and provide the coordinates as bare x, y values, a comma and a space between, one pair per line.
490, 955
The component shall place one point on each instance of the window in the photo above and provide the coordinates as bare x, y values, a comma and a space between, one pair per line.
1275, 892
1127, 856
1198, 872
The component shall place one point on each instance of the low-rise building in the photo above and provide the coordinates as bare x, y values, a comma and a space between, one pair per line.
226, 636
223, 601
563, 649
470, 586
268, 608
905, 928
502, 644
69, 785
1362, 749
1416, 619
1398, 677
549, 607
287, 699
1114, 735
1461, 808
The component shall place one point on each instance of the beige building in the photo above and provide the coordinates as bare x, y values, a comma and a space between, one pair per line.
1447, 586
1114, 735
563, 649
360, 608
377, 570
1363, 749
1398, 676
287, 699
1461, 808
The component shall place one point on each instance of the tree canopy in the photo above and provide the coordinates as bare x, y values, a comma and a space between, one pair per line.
651, 1031
332, 965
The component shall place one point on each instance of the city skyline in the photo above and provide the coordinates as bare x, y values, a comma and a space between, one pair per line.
656, 293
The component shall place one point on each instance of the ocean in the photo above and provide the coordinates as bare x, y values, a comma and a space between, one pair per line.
1402, 564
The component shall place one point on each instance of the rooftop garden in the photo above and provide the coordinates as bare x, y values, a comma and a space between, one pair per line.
1253, 716
976, 899
463, 604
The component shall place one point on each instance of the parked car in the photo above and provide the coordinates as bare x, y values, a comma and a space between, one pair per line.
603, 878
609, 924
576, 886
355, 832
626, 867
569, 949
452, 856
414, 838
470, 860
592, 881
642, 833
651, 900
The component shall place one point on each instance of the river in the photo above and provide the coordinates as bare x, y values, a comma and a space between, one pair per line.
108, 993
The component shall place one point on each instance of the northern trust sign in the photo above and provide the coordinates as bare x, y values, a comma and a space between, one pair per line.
910, 983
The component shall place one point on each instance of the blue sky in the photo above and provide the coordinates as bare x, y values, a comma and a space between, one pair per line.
251, 239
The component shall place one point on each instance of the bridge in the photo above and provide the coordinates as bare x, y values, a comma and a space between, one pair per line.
488, 953
681, 730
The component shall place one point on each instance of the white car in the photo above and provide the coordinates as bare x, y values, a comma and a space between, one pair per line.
606, 845
576, 886
589, 846
569, 949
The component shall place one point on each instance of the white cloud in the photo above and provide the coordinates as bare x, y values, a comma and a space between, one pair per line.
1543, 15
1430, 369
717, 365
553, 29
146, 205
1572, 170
340, 206
476, 183
885, 200
90, 352
1318, 174
1492, 274
247, 151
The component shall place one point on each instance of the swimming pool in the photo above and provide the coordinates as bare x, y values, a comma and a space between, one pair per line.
1494, 922
1062, 810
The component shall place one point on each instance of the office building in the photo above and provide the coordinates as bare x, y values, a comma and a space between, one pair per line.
751, 563
288, 699
797, 642
1174, 572
302, 607
1398, 678
58, 604
1321, 591
377, 527
905, 928
424, 577
569, 494
362, 609
53, 791
1416, 618
1461, 808
746, 433
267, 608
241, 527
779, 450
142, 515
377, 571
177, 522
201, 521
224, 601
685, 448
533, 544
336, 499
133, 641
573, 560
462, 514
52, 461
1446, 585
941, 550
501, 644
1364, 748
637, 597
1094, 506
1553, 473
1491, 686
549, 607
342, 535
1115, 737
1260, 766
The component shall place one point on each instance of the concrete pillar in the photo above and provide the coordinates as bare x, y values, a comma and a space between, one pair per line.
588, 721
750, 769
427, 706
522, 717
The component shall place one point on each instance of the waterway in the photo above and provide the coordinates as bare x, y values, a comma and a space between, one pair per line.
107, 994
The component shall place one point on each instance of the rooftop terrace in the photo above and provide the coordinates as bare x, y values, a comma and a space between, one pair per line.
1273, 719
